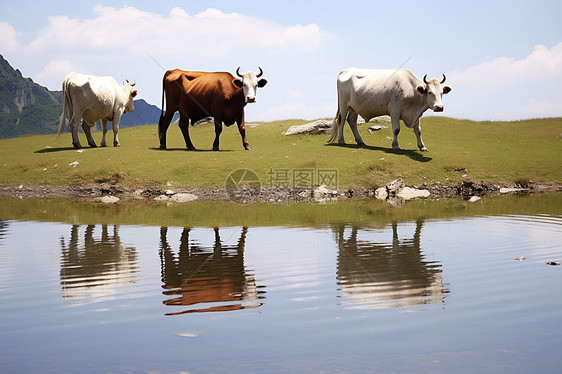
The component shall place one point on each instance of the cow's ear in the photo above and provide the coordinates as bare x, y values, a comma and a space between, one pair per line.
420, 89
446, 89
134, 93
262, 82
238, 83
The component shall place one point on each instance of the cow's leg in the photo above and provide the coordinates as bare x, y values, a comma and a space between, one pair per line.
218, 130
73, 126
163, 125
242, 129
395, 119
104, 131
184, 127
341, 124
352, 120
417, 131
115, 126
86, 126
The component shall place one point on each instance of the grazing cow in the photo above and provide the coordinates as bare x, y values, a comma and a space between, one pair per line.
197, 95
93, 98
397, 92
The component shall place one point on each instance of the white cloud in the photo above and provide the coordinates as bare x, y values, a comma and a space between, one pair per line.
8, 38
128, 29
508, 88
54, 71
541, 64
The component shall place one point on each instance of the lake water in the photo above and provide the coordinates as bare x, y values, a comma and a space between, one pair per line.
357, 287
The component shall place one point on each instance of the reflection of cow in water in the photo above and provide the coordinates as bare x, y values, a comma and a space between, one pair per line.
384, 275
95, 267
199, 274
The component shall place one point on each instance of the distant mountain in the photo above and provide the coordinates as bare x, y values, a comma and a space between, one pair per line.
29, 108
25, 106
144, 114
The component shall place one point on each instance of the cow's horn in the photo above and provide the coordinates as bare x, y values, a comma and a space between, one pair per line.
425, 79
260, 74
444, 78
238, 72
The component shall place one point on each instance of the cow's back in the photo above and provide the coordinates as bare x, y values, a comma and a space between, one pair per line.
373, 92
211, 95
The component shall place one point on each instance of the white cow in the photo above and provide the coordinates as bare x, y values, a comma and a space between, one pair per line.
93, 98
397, 92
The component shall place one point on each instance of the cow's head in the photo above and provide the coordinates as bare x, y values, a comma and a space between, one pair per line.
249, 84
130, 93
433, 92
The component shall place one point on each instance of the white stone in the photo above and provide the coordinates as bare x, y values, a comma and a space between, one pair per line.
74, 164
395, 186
409, 193
376, 128
183, 197
107, 199
510, 190
474, 199
381, 193
162, 198
321, 126
322, 192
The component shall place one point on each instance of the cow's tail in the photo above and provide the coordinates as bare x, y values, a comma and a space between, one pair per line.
65, 104
162, 108
335, 126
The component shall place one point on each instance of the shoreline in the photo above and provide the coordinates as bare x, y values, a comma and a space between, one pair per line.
114, 193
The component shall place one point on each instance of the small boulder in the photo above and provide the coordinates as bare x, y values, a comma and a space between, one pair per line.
108, 199
395, 187
321, 126
474, 199
409, 193
381, 193
183, 197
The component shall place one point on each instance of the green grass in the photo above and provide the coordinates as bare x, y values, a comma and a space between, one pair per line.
511, 152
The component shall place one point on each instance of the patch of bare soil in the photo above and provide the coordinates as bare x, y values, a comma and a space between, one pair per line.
264, 194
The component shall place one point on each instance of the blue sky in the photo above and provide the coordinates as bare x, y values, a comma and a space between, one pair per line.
503, 59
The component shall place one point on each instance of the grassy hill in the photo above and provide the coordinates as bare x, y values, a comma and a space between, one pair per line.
512, 152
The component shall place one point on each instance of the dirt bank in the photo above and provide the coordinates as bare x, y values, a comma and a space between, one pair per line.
264, 194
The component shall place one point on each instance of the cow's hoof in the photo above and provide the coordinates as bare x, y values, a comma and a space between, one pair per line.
93, 145
424, 149
117, 145
248, 148
396, 148
163, 146
216, 149
77, 146
361, 145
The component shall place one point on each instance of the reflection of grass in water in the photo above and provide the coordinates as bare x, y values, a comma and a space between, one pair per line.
489, 151
221, 214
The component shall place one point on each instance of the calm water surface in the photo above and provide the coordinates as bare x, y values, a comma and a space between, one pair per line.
438, 291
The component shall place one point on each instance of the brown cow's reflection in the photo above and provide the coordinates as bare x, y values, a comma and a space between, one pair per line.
96, 266
385, 275
200, 275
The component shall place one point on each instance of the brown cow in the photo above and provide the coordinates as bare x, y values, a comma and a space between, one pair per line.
197, 95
